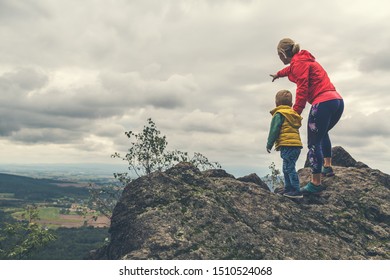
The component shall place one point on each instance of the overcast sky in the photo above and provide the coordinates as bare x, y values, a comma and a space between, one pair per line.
75, 75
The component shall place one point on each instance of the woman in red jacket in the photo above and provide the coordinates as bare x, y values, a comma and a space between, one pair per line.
314, 87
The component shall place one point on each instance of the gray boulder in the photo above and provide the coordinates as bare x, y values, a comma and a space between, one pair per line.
340, 157
184, 213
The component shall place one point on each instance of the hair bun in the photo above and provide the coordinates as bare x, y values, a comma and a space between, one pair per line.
288, 45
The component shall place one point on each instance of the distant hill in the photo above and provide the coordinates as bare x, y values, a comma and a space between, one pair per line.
73, 172
28, 188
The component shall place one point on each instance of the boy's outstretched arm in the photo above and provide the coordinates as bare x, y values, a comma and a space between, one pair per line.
273, 135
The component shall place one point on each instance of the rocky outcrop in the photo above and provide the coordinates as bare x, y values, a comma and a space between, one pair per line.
341, 157
184, 213
253, 178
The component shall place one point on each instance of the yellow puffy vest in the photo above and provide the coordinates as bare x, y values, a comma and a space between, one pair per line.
289, 132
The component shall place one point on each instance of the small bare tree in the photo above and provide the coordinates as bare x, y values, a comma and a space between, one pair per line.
274, 180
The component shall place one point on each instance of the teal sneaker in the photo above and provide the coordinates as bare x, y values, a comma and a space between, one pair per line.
327, 171
311, 188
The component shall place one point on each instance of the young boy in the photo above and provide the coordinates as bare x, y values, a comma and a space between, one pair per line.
284, 133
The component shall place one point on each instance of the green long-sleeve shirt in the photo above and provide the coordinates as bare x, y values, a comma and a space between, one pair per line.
276, 124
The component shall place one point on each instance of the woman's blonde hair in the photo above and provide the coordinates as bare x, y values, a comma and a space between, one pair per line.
288, 47
283, 97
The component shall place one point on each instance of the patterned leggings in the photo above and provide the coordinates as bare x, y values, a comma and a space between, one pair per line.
322, 118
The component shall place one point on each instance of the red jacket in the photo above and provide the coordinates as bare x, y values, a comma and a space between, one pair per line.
313, 83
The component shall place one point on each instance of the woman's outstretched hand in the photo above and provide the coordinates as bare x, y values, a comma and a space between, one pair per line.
274, 77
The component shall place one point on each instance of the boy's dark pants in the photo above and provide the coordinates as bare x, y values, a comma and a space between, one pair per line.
290, 156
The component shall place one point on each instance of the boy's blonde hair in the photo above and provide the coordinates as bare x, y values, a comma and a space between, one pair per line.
283, 97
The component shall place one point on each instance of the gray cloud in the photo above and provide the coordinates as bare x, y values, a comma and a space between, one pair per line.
377, 62
365, 127
12, 11
24, 79
31, 102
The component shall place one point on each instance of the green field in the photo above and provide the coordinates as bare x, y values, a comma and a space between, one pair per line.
8, 197
52, 218
45, 213
49, 213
